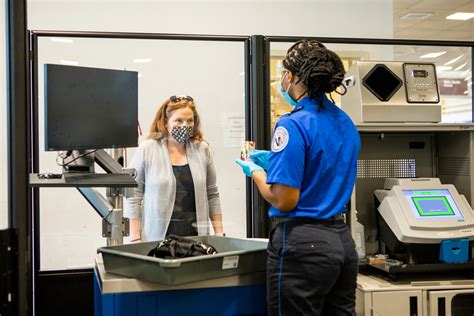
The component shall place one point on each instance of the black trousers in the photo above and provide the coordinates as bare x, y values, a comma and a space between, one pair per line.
311, 269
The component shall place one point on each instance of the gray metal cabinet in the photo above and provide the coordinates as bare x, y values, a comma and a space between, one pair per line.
417, 297
451, 302
393, 303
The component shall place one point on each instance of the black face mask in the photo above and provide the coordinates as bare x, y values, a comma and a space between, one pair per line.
182, 133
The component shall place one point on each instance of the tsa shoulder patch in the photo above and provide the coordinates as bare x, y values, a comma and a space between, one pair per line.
280, 139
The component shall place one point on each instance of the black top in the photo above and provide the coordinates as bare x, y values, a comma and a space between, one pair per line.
183, 219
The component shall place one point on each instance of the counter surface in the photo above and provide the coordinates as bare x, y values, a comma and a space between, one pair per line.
374, 283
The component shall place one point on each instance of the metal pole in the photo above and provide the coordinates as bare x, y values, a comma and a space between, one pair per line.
260, 124
116, 225
19, 197
116, 198
472, 86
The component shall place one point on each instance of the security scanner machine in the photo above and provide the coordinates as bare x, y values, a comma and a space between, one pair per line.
419, 232
423, 222
392, 92
412, 280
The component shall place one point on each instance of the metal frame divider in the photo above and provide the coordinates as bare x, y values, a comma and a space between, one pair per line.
19, 198
35, 35
259, 130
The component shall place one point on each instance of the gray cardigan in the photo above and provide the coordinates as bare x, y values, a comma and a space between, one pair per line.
156, 189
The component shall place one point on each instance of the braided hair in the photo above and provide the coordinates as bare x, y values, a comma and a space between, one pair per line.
319, 68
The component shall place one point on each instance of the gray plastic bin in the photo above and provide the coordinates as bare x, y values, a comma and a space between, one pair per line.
235, 256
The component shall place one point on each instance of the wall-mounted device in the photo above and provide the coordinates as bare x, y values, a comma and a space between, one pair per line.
392, 92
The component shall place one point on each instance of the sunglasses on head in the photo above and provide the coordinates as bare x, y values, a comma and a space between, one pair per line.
177, 98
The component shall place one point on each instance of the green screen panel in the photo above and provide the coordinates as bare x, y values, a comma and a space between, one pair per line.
422, 202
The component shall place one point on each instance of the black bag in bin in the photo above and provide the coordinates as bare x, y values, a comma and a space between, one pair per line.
175, 247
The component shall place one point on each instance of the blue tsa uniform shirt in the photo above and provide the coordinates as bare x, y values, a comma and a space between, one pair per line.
315, 152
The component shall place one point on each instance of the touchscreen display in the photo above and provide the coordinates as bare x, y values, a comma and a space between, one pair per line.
432, 204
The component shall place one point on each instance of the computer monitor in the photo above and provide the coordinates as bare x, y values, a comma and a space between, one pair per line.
90, 108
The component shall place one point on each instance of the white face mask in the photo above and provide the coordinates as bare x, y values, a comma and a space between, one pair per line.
182, 133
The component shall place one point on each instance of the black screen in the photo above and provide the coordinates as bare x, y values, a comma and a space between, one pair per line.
90, 108
382, 82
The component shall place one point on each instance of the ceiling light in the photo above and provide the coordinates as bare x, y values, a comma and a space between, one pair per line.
142, 60
416, 16
460, 16
69, 62
443, 68
433, 55
452, 61
61, 40
460, 67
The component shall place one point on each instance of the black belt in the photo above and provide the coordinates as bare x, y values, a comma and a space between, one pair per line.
329, 220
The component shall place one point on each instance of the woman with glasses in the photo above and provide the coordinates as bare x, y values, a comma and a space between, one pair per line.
177, 191
310, 174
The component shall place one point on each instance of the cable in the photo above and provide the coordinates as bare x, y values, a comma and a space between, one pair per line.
68, 153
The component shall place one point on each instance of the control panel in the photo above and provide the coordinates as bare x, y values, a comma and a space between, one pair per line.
421, 83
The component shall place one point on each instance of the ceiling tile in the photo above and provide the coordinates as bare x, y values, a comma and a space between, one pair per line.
467, 26
437, 25
404, 4
400, 24
409, 34
466, 8
440, 4
453, 35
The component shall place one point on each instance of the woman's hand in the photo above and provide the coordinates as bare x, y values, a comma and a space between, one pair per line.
216, 221
135, 234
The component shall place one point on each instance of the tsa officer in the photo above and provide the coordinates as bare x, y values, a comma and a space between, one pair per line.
308, 178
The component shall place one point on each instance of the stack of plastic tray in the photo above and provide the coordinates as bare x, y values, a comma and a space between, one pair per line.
235, 256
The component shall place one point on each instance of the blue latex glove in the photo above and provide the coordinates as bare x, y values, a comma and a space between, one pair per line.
260, 157
248, 167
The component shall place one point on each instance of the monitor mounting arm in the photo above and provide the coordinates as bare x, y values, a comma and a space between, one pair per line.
114, 225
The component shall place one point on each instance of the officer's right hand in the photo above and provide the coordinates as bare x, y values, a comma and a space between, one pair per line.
260, 157
248, 167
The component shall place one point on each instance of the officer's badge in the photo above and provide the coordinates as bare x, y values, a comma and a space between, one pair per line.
280, 139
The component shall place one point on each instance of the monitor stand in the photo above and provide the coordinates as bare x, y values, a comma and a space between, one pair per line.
81, 174
79, 161
100, 179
